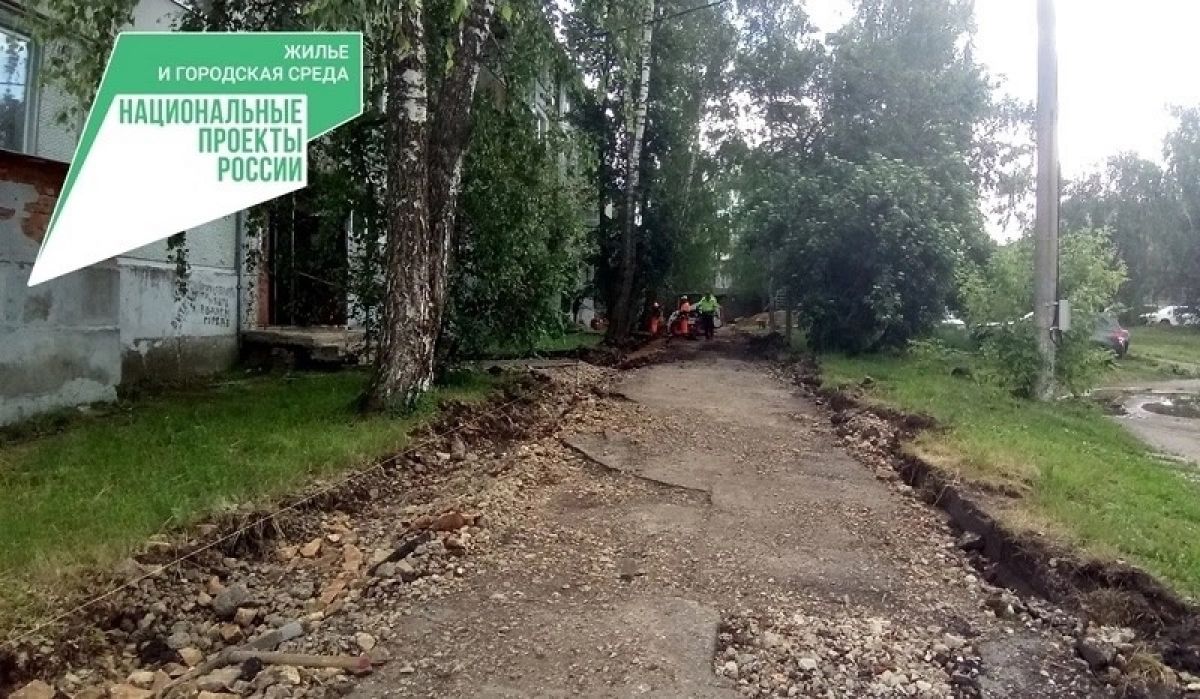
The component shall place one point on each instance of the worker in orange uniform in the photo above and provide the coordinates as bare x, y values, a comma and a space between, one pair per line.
655, 321
685, 310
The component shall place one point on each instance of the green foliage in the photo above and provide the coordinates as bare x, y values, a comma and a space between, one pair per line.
868, 251
521, 238
682, 203
1135, 201
1153, 214
1013, 359
77, 37
996, 298
684, 220
999, 290
861, 212
953, 338
901, 82
1183, 158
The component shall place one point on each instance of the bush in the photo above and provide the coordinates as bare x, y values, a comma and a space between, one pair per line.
869, 252
954, 337
998, 295
521, 237
1013, 360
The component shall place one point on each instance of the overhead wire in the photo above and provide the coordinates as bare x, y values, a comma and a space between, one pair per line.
659, 20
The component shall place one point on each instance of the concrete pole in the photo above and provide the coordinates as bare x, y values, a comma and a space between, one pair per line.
1045, 262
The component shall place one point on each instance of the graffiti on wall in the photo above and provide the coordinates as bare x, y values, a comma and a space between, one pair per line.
151, 307
211, 304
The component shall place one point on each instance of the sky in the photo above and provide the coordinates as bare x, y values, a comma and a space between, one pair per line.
1122, 63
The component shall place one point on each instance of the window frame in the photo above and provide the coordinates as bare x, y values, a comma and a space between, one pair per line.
12, 23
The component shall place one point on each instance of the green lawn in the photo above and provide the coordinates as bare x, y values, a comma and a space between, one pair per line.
1083, 478
1159, 353
570, 341
91, 493
1166, 350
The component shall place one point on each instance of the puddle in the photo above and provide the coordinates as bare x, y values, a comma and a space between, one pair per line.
1181, 406
1167, 418
1143, 403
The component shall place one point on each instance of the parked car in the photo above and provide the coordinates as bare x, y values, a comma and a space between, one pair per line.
1109, 333
1171, 315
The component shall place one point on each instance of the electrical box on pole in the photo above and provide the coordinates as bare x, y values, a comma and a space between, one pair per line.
1063, 320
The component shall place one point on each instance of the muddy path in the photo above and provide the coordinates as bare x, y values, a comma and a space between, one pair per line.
692, 527
703, 534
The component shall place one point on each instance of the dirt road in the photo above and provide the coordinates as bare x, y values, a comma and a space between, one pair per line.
703, 534
692, 528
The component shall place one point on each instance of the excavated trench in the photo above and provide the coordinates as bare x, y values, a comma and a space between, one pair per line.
1105, 593
519, 412
1102, 593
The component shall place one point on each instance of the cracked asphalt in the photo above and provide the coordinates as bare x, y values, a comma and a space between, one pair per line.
701, 532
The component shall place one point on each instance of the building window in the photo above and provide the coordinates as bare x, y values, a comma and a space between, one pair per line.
16, 90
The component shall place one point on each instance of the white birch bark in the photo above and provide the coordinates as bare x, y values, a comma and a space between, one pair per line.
624, 313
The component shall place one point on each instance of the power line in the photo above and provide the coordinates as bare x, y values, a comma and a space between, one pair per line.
662, 19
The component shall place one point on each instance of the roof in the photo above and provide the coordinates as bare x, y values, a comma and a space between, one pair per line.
11, 157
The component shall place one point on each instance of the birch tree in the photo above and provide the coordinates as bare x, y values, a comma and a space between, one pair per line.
427, 141
623, 315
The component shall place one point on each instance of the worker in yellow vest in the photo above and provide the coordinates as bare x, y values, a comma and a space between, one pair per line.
708, 308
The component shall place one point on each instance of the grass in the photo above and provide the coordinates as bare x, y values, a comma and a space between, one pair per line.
1159, 353
570, 341
1169, 344
91, 493
549, 345
1083, 478
1163, 351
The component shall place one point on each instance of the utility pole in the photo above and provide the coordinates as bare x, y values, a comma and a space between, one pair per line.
1045, 261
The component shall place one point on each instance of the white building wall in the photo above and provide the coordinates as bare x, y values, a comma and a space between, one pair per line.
166, 331
59, 341
55, 140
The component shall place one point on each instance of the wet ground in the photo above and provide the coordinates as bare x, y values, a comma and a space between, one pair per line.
691, 528
702, 533
1164, 414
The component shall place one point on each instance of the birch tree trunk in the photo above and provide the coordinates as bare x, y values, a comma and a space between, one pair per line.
425, 172
695, 122
604, 174
404, 364
624, 313
452, 132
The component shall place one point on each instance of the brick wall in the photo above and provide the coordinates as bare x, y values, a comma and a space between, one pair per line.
46, 177
59, 341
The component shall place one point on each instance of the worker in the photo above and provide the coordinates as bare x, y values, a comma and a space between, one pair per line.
655, 319
708, 312
685, 309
